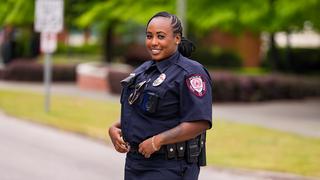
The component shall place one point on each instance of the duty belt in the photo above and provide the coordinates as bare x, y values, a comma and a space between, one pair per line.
193, 151
169, 151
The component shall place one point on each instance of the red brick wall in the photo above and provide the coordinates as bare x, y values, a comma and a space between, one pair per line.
247, 45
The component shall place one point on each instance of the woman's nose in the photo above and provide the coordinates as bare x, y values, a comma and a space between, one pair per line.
154, 41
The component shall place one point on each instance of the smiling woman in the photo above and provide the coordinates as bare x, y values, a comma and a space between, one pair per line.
166, 108
161, 42
164, 36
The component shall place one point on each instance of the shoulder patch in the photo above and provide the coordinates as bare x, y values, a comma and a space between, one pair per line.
196, 84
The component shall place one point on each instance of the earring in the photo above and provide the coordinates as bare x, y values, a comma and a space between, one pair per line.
177, 42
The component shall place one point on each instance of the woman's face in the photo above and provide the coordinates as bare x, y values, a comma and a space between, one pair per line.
161, 42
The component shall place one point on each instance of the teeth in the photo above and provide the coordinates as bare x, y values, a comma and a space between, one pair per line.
155, 51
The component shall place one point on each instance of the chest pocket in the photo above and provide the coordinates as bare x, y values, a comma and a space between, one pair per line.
158, 101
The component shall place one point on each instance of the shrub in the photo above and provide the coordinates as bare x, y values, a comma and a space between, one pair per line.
231, 87
1, 73
22, 70
297, 60
83, 49
136, 54
114, 78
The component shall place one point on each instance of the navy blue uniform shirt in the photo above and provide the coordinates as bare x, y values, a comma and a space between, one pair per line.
177, 89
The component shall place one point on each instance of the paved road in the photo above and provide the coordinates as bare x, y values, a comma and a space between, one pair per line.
35, 152
300, 116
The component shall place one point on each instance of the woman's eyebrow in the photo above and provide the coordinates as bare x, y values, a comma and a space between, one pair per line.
161, 32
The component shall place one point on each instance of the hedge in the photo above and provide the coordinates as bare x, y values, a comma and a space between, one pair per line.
229, 87
232, 87
22, 70
297, 60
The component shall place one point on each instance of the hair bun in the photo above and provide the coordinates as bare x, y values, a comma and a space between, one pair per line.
186, 47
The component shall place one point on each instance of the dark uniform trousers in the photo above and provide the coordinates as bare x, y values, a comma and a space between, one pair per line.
158, 168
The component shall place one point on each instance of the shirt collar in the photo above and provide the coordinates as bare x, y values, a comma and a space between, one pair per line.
164, 64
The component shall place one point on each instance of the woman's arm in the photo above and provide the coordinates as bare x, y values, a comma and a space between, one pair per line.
116, 138
182, 132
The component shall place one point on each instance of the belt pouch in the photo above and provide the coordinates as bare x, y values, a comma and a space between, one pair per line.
181, 148
193, 150
171, 151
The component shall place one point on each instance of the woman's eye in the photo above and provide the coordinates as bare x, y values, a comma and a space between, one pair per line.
149, 36
161, 36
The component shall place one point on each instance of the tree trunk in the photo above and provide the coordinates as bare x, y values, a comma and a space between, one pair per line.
288, 52
8, 45
35, 44
274, 54
108, 42
86, 35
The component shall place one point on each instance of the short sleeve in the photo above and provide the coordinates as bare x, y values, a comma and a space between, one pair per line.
196, 98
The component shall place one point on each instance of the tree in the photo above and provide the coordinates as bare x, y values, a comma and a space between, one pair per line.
108, 14
234, 16
18, 13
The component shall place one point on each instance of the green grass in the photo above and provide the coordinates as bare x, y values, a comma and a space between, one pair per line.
250, 71
228, 144
80, 115
73, 58
253, 71
238, 145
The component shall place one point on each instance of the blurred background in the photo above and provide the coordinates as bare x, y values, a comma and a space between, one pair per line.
257, 51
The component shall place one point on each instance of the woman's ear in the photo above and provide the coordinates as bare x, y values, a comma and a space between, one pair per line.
178, 39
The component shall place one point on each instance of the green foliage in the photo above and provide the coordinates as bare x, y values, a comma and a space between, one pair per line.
17, 12
123, 11
257, 15
83, 49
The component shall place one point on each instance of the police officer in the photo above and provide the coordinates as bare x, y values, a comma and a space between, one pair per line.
166, 107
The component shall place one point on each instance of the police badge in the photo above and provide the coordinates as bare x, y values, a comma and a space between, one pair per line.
159, 80
197, 85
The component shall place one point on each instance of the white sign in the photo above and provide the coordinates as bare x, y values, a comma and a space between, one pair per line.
49, 16
48, 42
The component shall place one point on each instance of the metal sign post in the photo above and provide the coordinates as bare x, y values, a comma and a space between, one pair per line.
48, 21
47, 81
48, 44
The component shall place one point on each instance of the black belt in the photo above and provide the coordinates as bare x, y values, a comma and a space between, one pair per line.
193, 151
170, 151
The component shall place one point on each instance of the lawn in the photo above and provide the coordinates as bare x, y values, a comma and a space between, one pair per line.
228, 144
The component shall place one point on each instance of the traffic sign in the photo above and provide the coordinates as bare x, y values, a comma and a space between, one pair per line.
49, 16
48, 42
